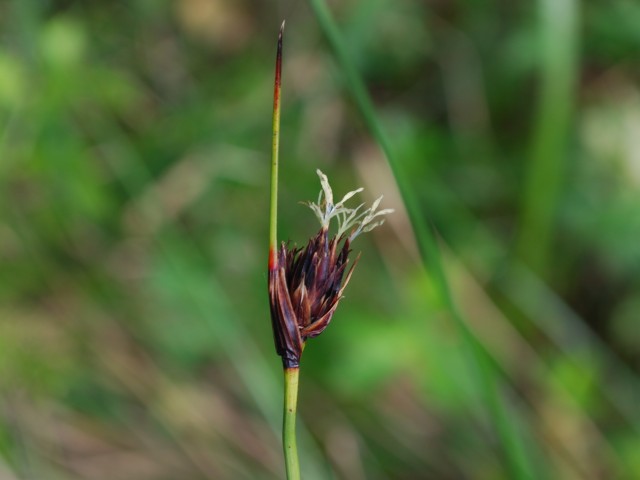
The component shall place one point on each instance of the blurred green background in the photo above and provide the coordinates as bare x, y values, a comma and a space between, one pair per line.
135, 341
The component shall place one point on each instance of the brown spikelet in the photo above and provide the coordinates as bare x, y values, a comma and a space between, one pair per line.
304, 290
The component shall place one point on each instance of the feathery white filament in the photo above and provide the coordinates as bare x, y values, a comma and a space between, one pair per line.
348, 218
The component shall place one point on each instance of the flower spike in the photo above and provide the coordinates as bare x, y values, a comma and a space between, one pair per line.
307, 283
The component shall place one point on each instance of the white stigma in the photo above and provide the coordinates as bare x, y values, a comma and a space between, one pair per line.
348, 218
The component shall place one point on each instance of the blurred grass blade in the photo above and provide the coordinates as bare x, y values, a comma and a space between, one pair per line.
544, 308
574, 339
516, 458
543, 178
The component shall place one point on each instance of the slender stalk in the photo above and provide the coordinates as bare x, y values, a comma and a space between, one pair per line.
545, 174
289, 423
275, 146
289, 445
518, 464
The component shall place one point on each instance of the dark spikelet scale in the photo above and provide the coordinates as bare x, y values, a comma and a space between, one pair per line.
304, 291
286, 334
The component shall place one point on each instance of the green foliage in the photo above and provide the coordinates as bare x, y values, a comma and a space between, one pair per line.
134, 326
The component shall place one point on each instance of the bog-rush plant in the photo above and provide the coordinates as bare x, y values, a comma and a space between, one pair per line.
306, 284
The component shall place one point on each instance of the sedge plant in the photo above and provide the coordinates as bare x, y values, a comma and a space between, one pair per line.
306, 284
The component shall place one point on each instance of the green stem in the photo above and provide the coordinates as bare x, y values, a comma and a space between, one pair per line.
275, 145
289, 445
289, 423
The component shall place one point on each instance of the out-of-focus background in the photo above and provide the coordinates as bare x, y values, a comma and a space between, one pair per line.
135, 341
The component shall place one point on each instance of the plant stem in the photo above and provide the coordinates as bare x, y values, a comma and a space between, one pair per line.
289, 423
275, 145
289, 445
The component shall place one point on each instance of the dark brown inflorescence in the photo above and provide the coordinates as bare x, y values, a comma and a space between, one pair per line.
304, 291
306, 284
